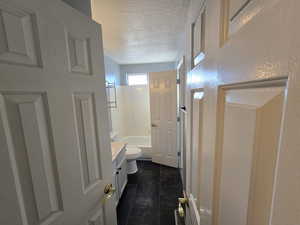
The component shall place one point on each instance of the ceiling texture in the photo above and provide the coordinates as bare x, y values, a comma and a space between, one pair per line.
141, 31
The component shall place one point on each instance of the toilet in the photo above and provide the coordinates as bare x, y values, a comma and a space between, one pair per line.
132, 153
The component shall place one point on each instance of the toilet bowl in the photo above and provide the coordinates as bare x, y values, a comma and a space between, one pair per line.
132, 153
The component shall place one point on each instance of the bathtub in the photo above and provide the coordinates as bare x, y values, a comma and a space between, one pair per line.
143, 142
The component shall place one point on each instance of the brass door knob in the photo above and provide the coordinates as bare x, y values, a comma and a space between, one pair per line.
182, 201
180, 210
109, 191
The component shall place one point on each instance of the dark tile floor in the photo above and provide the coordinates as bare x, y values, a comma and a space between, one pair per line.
150, 196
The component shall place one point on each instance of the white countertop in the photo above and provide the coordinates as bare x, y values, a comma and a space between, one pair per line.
116, 147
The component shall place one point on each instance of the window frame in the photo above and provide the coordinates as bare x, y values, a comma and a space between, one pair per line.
136, 74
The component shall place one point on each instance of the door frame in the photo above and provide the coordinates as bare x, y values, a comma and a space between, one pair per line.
180, 122
282, 81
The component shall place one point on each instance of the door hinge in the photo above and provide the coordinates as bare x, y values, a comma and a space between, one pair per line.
178, 153
178, 119
177, 81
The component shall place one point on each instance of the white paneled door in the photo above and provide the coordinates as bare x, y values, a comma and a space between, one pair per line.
55, 155
163, 117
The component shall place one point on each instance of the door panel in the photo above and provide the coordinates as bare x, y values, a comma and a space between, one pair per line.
19, 40
260, 199
86, 134
252, 124
194, 168
27, 139
56, 157
239, 131
195, 153
163, 117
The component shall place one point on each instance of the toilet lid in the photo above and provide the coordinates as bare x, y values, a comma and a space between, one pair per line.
133, 152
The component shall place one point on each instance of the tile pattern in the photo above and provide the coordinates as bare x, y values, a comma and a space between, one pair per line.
150, 196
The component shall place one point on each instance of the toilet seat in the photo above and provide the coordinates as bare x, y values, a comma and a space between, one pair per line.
133, 152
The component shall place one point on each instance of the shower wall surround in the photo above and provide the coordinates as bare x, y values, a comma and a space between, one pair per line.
132, 116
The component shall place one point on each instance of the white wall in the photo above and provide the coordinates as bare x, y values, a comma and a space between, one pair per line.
117, 115
112, 75
144, 68
112, 70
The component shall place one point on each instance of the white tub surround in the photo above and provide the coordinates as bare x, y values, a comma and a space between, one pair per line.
142, 142
132, 115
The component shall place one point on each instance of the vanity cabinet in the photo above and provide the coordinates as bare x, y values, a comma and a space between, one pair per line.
120, 173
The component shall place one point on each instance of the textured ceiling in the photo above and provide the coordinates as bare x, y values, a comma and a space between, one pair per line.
141, 31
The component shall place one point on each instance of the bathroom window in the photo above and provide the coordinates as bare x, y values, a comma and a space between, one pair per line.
137, 79
198, 95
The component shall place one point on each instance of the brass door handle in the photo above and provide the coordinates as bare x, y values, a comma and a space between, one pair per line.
182, 201
109, 191
180, 210
153, 125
